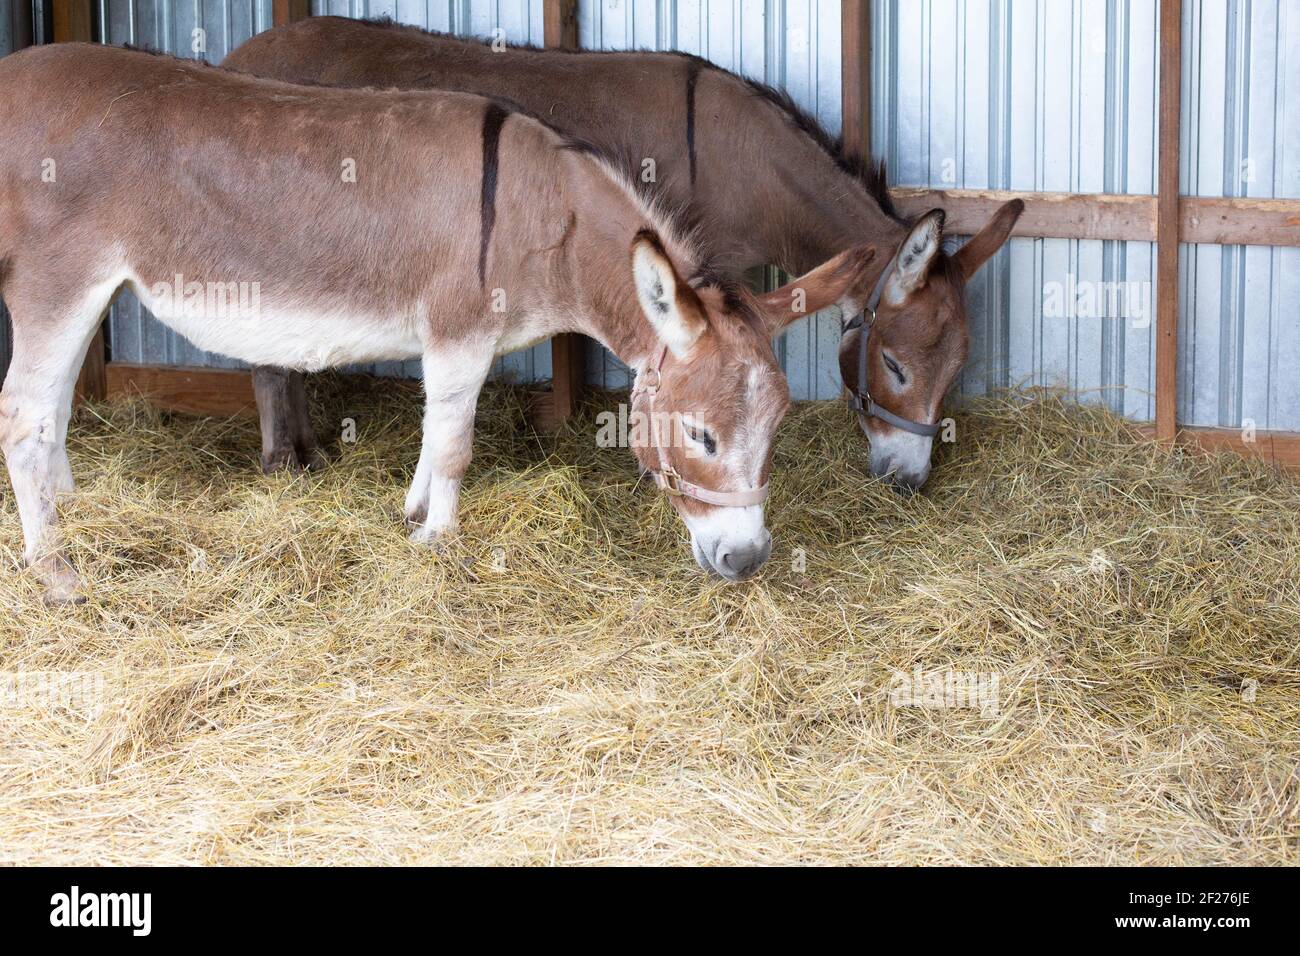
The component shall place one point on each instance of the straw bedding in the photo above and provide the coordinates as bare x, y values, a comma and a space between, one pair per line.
277, 675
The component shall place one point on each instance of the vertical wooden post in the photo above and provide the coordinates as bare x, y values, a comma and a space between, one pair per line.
289, 11
1167, 218
560, 25
855, 72
74, 22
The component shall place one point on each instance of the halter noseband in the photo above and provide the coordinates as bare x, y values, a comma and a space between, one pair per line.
666, 477
860, 399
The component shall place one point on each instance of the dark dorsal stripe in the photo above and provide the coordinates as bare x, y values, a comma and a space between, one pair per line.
692, 77
493, 120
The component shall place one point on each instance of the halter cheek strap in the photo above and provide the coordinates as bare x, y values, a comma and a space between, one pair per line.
860, 400
666, 477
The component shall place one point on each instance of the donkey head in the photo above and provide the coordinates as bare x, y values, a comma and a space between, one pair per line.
918, 341
715, 394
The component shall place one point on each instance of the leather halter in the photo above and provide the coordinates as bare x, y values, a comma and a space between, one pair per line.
666, 477
860, 399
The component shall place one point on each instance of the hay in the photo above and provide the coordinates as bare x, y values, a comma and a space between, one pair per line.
284, 678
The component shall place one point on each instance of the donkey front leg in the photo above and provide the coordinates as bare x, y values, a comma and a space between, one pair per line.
288, 439
453, 378
35, 405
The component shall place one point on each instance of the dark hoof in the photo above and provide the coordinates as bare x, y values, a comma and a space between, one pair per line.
290, 459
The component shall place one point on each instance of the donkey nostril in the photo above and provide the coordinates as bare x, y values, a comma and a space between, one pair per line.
742, 562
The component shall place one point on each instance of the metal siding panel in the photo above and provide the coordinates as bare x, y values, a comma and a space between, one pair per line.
1034, 96
1241, 81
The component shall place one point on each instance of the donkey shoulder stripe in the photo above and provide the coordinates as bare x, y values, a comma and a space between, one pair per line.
493, 119
692, 81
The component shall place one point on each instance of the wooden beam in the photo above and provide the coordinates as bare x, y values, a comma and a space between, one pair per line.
196, 391
1168, 218
289, 11
1046, 215
855, 76
1227, 221
1278, 448
74, 22
568, 351
1240, 222
560, 24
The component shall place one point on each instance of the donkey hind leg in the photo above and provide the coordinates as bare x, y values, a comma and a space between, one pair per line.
35, 405
288, 441
310, 455
453, 379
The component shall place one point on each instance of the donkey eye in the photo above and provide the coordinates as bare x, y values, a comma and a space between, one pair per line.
702, 436
894, 367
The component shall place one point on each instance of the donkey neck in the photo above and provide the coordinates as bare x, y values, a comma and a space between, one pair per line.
799, 206
607, 216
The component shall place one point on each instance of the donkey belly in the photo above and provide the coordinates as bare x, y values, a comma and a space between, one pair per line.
231, 319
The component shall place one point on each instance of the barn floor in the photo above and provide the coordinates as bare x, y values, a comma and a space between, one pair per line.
268, 672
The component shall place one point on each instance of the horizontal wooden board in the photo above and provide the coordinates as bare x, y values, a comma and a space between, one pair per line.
1217, 221
198, 391
1240, 222
1279, 448
1046, 216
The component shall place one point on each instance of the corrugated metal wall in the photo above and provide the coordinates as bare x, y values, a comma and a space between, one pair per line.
1239, 344
1055, 95
1019, 94
1046, 95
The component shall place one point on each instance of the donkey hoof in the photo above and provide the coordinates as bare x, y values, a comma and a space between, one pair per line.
437, 538
280, 459
62, 587
313, 459
289, 458
62, 598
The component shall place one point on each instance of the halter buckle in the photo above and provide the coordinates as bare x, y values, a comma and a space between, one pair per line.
670, 482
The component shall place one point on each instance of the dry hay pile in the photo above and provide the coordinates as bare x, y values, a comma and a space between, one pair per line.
278, 675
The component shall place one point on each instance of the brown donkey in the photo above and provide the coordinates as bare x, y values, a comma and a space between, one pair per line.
366, 226
762, 181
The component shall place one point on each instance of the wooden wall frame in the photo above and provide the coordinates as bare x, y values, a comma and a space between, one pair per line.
568, 350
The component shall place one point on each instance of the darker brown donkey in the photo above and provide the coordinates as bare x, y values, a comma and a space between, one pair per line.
760, 180
366, 225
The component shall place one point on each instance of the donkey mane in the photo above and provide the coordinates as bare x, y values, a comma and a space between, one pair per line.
874, 177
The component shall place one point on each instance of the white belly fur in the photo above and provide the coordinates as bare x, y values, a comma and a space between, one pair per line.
272, 335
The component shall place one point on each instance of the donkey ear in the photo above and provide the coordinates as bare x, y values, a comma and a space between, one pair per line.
914, 257
670, 304
989, 239
844, 281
